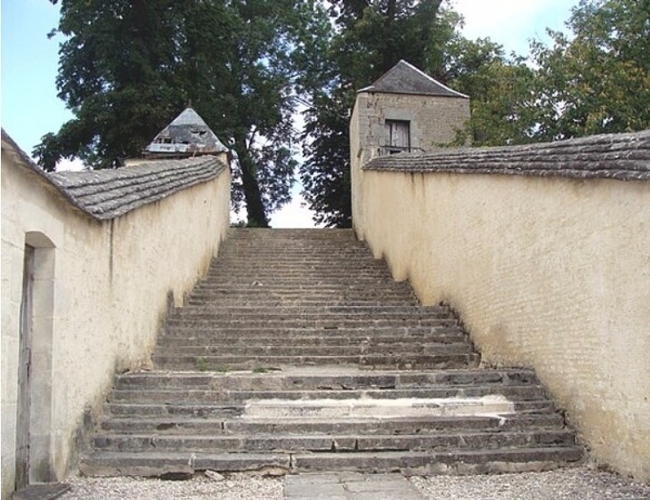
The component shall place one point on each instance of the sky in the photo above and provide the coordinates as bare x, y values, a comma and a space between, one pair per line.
30, 107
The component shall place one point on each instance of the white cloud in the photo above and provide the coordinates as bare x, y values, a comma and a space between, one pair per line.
512, 22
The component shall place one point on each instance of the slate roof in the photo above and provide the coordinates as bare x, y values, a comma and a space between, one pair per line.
106, 194
187, 134
611, 156
404, 78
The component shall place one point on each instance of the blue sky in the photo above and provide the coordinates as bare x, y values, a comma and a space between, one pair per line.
30, 107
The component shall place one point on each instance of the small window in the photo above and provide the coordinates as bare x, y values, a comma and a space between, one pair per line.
398, 136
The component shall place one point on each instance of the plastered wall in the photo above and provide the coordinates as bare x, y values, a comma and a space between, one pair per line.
433, 122
547, 273
100, 296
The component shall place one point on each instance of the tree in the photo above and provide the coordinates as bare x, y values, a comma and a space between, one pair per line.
598, 79
128, 66
366, 40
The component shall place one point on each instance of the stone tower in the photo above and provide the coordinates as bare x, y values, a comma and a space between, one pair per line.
404, 111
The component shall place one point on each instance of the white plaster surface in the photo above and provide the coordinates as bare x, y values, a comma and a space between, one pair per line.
548, 273
101, 309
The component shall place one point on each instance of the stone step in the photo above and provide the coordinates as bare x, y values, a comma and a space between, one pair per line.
301, 266
106, 463
542, 438
217, 310
353, 288
298, 426
331, 323
265, 303
285, 350
250, 292
203, 328
225, 396
332, 378
297, 337
306, 276
403, 361
230, 409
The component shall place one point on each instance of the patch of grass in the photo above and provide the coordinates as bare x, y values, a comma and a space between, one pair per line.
201, 364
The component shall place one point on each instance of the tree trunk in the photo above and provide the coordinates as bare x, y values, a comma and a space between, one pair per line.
252, 195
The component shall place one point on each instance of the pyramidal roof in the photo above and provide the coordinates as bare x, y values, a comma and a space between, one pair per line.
404, 78
186, 135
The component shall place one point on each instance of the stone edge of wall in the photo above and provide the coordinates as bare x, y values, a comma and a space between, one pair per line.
623, 157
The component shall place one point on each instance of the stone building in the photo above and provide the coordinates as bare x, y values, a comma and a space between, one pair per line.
405, 110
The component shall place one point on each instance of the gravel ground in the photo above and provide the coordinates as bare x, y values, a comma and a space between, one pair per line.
232, 487
569, 484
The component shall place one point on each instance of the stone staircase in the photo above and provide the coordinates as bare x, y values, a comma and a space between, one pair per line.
298, 352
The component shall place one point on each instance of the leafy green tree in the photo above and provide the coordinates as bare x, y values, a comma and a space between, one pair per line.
128, 67
598, 79
366, 40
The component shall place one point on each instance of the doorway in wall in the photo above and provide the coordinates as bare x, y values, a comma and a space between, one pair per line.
24, 370
34, 433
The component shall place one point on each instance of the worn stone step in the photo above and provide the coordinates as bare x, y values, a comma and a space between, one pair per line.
329, 379
283, 349
315, 265
263, 303
184, 464
107, 463
218, 311
253, 294
300, 267
224, 396
332, 323
295, 339
543, 438
352, 287
233, 409
403, 360
368, 425
205, 330
440, 462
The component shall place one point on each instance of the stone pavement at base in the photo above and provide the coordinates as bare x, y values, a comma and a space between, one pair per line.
350, 486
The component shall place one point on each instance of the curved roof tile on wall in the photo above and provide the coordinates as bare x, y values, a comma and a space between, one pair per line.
107, 194
612, 156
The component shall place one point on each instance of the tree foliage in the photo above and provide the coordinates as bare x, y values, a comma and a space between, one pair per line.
127, 67
593, 79
367, 39
597, 80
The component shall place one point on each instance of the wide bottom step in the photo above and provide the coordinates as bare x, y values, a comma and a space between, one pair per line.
416, 463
